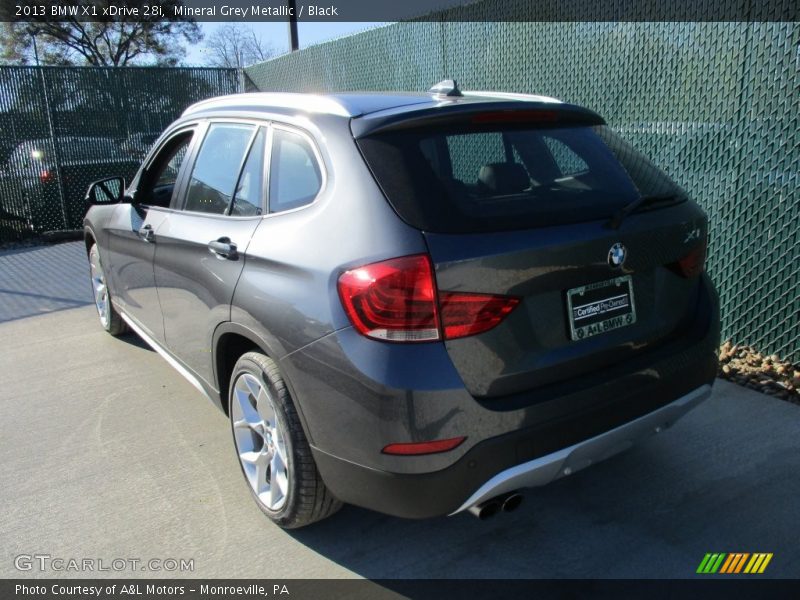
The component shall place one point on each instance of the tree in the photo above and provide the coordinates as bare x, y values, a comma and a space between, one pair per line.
234, 46
117, 43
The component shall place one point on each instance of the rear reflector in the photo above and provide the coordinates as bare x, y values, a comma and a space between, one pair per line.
396, 300
418, 448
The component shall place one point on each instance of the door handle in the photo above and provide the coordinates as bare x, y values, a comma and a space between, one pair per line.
146, 234
224, 248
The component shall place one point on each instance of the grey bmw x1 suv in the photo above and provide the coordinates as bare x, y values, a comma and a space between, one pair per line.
418, 303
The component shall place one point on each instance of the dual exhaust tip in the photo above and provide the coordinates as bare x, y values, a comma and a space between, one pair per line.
506, 503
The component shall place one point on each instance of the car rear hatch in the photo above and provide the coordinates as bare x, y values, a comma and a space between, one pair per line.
517, 199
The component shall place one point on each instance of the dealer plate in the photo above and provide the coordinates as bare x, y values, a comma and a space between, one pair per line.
600, 307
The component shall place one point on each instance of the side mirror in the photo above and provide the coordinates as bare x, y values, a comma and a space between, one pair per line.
110, 190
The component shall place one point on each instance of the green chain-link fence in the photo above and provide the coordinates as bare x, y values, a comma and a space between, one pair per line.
717, 105
63, 127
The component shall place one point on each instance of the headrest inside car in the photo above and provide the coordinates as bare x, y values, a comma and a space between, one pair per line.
504, 178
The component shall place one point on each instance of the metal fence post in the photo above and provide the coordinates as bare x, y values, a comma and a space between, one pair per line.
54, 141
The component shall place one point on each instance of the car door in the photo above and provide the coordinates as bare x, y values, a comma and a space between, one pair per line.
201, 245
132, 232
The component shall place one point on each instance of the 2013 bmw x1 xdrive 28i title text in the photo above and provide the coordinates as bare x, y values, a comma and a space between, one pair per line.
416, 303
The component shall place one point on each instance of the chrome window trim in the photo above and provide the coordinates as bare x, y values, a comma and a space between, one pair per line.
271, 125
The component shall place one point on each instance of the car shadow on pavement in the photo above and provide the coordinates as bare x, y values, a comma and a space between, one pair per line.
133, 339
553, 521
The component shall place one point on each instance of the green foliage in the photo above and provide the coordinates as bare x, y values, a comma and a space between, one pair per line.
124, 42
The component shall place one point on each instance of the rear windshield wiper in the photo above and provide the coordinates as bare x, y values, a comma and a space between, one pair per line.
641, 201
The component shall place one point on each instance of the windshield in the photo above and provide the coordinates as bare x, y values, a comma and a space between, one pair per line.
467, 180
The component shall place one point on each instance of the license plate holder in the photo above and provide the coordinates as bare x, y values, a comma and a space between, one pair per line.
600, 307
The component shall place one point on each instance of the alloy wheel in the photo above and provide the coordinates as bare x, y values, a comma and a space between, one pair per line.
260, 443
99, 287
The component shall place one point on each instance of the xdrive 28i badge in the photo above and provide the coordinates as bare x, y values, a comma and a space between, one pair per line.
617, 254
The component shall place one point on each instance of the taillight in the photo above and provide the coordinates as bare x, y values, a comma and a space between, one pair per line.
693, 263
392, 300
396, 300
469, 314
46, 175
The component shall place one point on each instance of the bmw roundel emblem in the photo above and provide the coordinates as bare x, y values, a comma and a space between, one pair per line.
617, 254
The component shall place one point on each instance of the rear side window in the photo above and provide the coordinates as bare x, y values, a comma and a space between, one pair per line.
216, 169
459, 179
295, 178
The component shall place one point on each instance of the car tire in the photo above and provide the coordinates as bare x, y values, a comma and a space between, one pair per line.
273, 452
109, 317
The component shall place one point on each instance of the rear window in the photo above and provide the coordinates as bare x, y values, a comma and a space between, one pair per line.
461, 180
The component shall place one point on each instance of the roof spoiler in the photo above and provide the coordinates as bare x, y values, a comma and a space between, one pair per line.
485, 115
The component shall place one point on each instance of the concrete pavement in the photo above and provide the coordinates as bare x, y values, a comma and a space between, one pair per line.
107, 453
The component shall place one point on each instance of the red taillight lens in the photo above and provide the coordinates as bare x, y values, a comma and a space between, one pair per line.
392, 300
416, 448
45, 175
469, 314
396, 300
693, 263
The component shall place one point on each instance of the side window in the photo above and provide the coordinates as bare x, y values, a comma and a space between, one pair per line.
169, 174
217, 167
249, 195
295, 177
158, 182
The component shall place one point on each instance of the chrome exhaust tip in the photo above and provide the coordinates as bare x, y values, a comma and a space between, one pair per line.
505, 502
486, 510
512, 502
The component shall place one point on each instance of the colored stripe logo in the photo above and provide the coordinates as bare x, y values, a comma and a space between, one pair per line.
734, 563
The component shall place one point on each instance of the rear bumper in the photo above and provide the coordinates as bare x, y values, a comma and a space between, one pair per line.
490, 468
561, 463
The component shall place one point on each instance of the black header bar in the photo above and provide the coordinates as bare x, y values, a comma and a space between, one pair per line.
249, 11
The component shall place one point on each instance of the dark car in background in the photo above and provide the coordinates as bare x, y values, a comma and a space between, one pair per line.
44, 182
418, 303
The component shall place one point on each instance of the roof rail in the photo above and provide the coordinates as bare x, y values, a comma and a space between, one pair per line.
305, 102
512, 96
